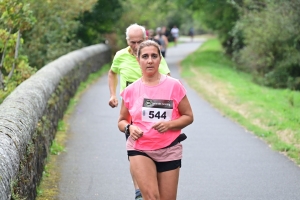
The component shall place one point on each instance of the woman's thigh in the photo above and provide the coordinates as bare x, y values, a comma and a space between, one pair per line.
144, 171
168, 184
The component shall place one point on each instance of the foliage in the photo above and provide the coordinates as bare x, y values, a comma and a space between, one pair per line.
218, 16
54, 34
56, 148
98, 21
16, 17
15, 14
35, 32
271, 33
151, 14
263, 37
272, 114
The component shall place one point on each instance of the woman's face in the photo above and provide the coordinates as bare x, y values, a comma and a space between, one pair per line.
149, 60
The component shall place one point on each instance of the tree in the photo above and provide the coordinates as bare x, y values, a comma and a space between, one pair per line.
151, 14
218, 16
54, 34
16, 17
271, 32
94, 24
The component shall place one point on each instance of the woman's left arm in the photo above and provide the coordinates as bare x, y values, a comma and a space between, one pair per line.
184, 120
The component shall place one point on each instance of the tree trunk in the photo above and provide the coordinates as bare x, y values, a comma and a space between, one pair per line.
1, 81
16, 56
2, 61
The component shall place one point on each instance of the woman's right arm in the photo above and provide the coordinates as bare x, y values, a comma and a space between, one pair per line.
124, 117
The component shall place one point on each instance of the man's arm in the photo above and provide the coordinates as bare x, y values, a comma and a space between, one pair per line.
112, 84
163, 67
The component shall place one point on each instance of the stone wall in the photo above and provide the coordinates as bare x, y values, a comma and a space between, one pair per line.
29, 117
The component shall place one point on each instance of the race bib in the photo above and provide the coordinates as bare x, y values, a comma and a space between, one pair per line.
156, 110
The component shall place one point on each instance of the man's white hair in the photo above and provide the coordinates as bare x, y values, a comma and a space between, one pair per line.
135, 26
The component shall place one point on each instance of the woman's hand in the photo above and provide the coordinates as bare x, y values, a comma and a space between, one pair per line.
135, 132
185, 119
161, 127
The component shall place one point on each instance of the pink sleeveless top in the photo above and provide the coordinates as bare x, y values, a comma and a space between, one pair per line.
150, 104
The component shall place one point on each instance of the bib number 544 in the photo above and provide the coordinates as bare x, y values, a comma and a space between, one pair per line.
157, 115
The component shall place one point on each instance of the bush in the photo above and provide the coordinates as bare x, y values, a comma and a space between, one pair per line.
272, 44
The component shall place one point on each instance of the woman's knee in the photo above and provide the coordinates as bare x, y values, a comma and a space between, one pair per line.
150, 194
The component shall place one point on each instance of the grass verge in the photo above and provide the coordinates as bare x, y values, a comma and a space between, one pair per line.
48, 188
271, 114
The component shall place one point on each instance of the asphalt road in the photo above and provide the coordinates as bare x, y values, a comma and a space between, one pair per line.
221, 160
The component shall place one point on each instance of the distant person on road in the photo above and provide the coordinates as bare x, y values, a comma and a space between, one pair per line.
125, 64
163, 41
154, 110
165, 32
175, 34
191, 33
151, 36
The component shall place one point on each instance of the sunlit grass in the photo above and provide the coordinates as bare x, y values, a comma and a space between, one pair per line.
272, 114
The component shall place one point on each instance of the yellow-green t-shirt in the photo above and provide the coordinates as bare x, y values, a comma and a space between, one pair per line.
126, 65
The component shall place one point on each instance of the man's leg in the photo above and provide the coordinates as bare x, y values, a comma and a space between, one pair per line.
138, 193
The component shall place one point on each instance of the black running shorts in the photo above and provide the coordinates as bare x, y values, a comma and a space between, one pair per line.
160, 166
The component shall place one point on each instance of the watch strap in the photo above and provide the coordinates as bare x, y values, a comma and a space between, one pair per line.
127, 129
